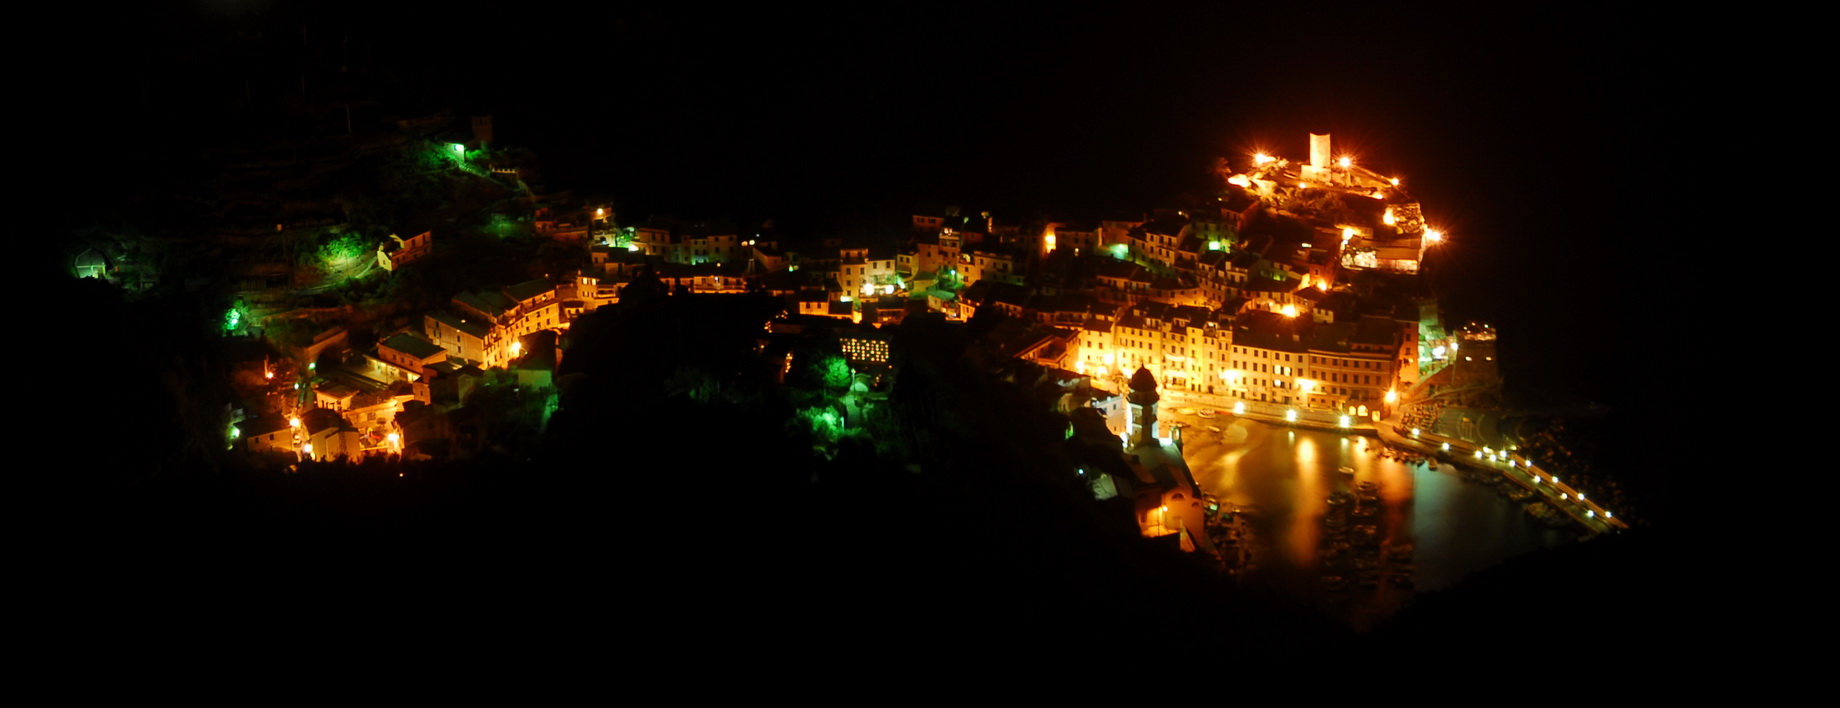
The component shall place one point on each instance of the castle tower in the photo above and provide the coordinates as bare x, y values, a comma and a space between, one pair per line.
1320, 156
482, 130
1142, 399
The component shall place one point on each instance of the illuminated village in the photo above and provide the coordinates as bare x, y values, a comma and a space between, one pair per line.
380, 328
1290, 298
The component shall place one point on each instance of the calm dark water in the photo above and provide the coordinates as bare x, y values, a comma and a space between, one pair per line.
1282, 480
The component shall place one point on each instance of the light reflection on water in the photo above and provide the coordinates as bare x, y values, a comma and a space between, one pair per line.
1312, 499
1282, 478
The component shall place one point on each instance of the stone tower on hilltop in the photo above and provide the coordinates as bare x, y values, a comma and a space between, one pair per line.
1320, 171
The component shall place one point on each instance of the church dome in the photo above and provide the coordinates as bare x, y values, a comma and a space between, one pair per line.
1142, 380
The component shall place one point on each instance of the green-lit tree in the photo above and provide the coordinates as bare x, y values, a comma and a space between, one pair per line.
826, 426
834, 371
949, 280
343, 256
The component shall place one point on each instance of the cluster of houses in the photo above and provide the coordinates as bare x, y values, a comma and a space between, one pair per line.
1246, 300
395, 395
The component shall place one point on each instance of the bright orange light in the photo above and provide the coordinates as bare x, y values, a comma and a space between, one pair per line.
1289, 311
293, 421
1434, 236
1392, 396
1303, 185
1239, 181
1348, 232
1261, 158
1388, 217
268, 374
1395, 181
1346, 162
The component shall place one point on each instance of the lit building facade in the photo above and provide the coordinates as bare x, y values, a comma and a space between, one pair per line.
864, 347
1351, 368
1183, 346
468, 340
